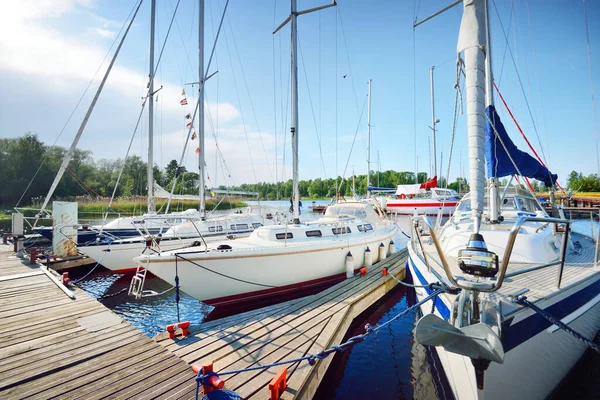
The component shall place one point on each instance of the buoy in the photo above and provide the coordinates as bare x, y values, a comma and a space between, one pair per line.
349, 265
382, 252
392, 248
368, 258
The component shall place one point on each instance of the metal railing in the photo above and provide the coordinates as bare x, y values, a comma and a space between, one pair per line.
507, 252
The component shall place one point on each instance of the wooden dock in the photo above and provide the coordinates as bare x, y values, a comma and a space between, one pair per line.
52, 346
285, 331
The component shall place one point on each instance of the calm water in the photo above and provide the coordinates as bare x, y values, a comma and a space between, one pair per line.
388, 365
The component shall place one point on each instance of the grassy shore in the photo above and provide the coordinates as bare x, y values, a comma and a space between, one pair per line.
136, 206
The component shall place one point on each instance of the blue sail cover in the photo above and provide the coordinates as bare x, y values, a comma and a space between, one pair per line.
498, 162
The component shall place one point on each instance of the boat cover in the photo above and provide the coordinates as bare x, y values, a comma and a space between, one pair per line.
499, 163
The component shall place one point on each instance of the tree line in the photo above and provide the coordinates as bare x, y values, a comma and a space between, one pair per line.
26, 157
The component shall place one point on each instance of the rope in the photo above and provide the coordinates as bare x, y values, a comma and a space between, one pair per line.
177, 255
312, 358
522, 300
82, 182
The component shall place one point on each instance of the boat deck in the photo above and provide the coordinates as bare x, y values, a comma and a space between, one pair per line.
52, 346
542, 282
284, 331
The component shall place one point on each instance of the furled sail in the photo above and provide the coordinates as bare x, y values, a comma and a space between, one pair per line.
499, 163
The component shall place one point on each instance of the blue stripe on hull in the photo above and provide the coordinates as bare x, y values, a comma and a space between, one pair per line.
520, 332
514, 335
440, 306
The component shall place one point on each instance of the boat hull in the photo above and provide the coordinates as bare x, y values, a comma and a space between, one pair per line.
537, 356
227, 278
412, 207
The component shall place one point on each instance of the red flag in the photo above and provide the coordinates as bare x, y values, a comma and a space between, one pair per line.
189, 124
197, 150
183, 102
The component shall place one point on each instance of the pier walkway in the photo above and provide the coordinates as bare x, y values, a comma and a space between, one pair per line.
53, 346
285, 331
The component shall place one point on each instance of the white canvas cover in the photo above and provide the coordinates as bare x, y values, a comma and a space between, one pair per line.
408, 190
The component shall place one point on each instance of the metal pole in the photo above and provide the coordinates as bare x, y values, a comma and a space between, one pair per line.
151, 206
294, 128
369, 140
201, 183
433, 121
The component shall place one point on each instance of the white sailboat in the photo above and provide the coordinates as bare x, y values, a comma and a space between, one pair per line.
278, 259
494, 343
174, 230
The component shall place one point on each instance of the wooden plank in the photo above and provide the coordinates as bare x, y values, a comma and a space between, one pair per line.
96, 373
219, 349
296, 310
19, 276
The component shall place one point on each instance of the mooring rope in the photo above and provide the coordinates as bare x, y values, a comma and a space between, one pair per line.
312, 358
522, 300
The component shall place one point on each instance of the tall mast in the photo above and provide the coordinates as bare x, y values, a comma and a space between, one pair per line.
433, 121
294, 127
201, 110
471, 41
369, 140
294, 82
151, 206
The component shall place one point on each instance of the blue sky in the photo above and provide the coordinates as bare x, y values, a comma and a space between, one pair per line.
51, 50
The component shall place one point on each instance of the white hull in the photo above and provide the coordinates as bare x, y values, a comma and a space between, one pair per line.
420, 207
537, 364
224, 278
118, 256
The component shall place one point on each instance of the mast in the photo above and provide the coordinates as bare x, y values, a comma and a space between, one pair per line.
433, 120
471, 39
294, 82
151, 206
369, 140
201, 183
294, 127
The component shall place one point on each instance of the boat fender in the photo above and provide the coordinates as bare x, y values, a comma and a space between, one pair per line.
382, 252
392, 248
349, 265
368, 258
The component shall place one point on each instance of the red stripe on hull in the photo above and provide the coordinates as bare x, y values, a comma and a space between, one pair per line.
126, 271
417, 205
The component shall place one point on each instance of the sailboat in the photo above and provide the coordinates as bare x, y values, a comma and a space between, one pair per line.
174, 230
520, 292
423, 198
278, 259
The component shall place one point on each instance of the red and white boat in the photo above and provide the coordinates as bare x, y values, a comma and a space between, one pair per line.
422, 199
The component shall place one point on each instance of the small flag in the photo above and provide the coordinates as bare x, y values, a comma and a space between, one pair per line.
188, 124
183, 102
197, 150
188, 116
183, 92
194, 136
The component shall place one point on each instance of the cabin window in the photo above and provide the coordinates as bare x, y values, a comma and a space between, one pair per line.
365, 227
217, 228
257, 225
241, 226
287, 235
316, 233
341, 230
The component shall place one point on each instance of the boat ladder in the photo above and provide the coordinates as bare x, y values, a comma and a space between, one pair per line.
136, 286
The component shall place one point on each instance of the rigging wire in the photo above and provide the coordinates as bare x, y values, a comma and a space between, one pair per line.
45, 158
521, 86
260, 134
275, 101
353, 141
312, 109
587, 37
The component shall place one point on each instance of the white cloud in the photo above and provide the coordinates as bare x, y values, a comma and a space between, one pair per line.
103, 33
